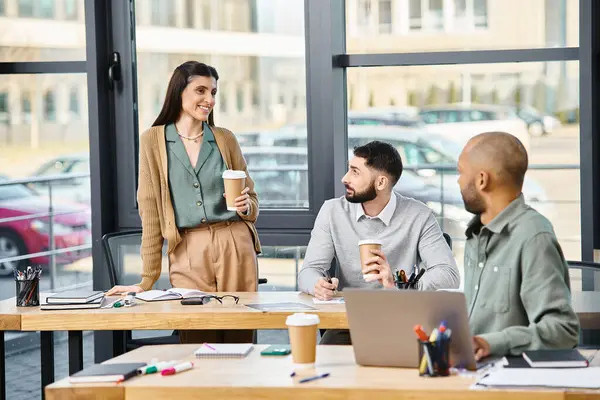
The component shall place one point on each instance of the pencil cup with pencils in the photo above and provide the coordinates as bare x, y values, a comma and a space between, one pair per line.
434, 357
28, 287
434, 350
404, 282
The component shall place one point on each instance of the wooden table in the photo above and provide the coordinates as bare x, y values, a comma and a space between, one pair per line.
266, 378
172, 315
149, 316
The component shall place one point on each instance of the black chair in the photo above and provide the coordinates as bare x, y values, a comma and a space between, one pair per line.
584, 266
448, 239
588, 338
117, 246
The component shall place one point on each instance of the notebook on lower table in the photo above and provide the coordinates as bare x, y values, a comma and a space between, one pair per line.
570, 358
224, 350
110, 372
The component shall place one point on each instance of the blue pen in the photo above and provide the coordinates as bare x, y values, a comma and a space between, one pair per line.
314, 378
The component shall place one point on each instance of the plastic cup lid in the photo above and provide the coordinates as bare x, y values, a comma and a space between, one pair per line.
302, 319
232, 174
370, 241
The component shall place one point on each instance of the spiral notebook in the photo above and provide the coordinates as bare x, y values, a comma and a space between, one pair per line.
224, 350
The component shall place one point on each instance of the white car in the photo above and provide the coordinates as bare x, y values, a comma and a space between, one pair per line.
460, 122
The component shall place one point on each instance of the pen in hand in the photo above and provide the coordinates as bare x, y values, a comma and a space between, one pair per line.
329, 280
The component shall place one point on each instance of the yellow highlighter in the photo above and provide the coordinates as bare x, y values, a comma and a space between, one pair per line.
423, 365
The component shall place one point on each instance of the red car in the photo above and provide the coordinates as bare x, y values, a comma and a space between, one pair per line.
28, 236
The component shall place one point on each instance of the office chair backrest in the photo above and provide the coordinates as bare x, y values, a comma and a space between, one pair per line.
448, 239
576, 274
122, 255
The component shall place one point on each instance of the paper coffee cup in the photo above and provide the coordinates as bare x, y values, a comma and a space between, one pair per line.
302, 329
365, 247
235, 183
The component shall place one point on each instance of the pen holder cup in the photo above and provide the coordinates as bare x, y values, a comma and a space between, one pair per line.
403, 285
434, 358
28, 292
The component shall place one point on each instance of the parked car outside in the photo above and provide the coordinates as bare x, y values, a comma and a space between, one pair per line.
386, 116
281, 181
31, 235
460, 122
75, 189
538, 124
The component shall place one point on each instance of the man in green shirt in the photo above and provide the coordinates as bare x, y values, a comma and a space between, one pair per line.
516, 277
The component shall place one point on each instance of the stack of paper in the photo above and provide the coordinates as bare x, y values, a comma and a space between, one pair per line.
581, 378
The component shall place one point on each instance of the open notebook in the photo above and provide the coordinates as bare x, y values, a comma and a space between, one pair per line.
169, 294
224, 350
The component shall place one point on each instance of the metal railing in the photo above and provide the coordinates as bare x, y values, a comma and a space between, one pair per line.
52, 250
436, 171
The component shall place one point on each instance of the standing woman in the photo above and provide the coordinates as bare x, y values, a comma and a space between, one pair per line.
181, 199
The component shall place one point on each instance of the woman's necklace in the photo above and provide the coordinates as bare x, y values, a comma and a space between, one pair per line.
191, 138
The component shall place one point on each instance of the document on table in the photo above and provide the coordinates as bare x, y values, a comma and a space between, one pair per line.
274, 307
584, 378
335, 300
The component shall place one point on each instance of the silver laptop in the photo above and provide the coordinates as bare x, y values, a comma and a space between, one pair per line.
382, 324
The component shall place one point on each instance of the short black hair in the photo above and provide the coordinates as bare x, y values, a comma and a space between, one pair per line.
383, 157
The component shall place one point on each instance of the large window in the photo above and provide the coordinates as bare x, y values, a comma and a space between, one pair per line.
33, 219
385, 16
261, 94
71, 9
429, 112
49, 106
36, 8
74, 102
4, 107
162, 13
412, 26
35, 30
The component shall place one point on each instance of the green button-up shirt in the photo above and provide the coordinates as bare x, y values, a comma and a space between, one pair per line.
517, 283
196, 193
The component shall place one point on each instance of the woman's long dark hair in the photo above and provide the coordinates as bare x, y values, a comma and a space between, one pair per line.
181, 77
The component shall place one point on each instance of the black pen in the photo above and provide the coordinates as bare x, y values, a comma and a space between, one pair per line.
313, 378
328, 279
411, 278
421, 272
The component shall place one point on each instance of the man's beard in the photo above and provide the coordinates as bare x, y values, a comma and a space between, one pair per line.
472, 200
362, 197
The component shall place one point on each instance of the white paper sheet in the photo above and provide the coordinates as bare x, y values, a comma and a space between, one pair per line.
585, 378
336, 300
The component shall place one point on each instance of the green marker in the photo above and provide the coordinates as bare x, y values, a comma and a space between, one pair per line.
154, 368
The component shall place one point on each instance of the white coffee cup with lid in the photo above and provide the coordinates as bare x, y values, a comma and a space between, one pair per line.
302, 330
235, 183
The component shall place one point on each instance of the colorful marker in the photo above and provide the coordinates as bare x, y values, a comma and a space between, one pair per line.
157, 367
178, 368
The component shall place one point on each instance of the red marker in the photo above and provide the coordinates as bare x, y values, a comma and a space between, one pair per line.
178, 368
421, 333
